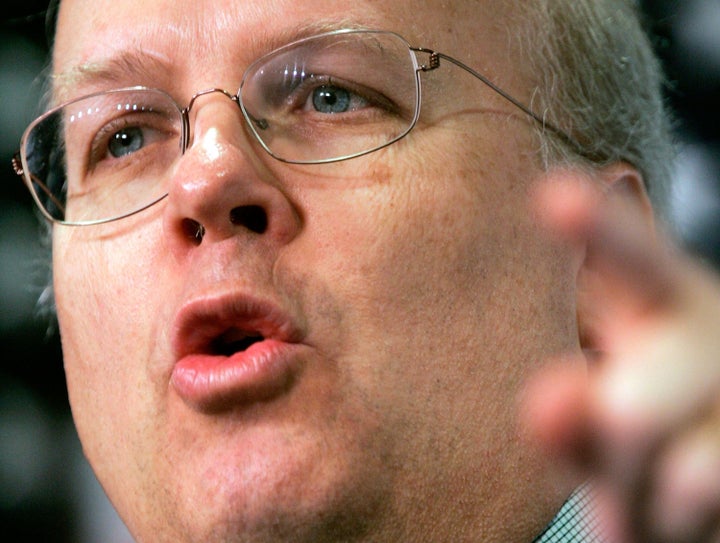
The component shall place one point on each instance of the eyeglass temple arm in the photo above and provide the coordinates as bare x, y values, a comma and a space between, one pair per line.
17, 166
434, 63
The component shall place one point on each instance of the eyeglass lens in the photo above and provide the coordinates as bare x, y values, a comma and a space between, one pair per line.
321, 99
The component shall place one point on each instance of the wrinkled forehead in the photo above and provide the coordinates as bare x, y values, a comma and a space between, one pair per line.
181, 34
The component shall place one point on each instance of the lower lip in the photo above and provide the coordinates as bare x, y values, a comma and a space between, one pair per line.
208, 382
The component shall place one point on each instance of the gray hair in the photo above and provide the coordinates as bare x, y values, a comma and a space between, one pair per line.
598, 78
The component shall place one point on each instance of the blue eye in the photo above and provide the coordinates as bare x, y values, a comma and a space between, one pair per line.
331, 99
126, 141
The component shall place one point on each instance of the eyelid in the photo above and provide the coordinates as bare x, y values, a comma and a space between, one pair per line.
98, 151
298, 94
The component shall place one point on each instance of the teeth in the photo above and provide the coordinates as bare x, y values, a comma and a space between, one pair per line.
234, 341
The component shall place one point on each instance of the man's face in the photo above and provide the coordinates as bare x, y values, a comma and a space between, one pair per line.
397, 300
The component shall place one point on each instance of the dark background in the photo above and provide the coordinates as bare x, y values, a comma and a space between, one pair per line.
47, 492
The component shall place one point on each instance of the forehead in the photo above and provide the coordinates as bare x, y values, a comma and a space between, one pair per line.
199, 35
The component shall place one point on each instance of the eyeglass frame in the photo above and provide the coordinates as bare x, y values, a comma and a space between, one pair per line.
19, 159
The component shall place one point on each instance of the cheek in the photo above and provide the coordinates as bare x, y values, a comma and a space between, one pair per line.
441, 293
103, 283
429, 263
402, 250
107, 307
414, 225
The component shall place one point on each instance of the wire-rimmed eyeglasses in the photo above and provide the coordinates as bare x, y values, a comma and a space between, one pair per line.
326, 98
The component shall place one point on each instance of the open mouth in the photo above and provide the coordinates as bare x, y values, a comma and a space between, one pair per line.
230, 325
234, 341
233, 350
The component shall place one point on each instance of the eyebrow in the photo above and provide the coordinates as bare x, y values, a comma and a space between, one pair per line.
133, 66
136, 66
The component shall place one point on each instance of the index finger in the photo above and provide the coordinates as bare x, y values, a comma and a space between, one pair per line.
658, 322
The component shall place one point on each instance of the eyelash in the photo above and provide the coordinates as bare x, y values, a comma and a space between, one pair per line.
299, 95
99, 146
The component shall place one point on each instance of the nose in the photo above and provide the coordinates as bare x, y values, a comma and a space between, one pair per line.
220, 188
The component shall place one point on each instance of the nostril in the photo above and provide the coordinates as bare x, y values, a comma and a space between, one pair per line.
193, 230
251, 217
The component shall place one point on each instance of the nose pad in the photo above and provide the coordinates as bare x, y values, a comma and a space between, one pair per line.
188, 111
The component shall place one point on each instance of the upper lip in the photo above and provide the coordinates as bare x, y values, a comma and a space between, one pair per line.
202, 324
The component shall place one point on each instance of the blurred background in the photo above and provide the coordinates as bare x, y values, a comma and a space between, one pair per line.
47, 491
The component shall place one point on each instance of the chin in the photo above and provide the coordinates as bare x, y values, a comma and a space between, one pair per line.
276, 512
269, 485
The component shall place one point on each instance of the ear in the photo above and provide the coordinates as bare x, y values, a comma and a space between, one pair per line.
623, 182
624, 186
